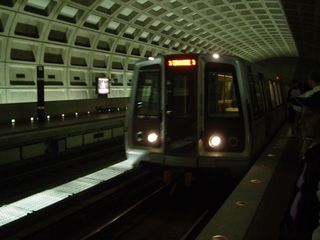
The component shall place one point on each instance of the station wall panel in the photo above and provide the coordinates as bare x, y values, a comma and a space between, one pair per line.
3, 47
21, 95
9, 155
117, 92
23, 51
97, 136
122, 47
74, 141
117, 131
78, 77
117, 63
78, 94
85, 39
107, 134
79, 58
3, 97
21, 75
89, 138
117, 78
2, 74
62, 145
92, 93
136, 50
53, 54
6, 18
105, 43
56, 76
28, 27
55, 94
33, 150
60, 33
129, 77
130, 62
99, 61
128, 92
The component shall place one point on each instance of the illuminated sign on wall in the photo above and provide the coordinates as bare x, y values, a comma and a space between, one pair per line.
103, 86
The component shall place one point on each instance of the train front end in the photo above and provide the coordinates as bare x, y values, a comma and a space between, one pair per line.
188, 110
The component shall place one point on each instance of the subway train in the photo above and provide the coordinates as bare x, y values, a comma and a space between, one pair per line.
202, 111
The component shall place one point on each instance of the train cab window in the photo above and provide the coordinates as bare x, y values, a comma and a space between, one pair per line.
221, 94
148, 92
181, 94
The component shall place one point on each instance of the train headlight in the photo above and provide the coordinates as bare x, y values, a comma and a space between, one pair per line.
214, 141
152, 137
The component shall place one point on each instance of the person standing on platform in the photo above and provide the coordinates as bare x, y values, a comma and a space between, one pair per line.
294, 91
305, 207
314, 84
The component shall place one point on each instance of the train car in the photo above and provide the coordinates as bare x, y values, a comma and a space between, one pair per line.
202, 111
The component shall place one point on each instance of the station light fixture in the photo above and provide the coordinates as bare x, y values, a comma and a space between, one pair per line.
216, 56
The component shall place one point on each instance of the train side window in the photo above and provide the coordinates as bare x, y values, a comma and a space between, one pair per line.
272, 94
148, 92
276, 93
279, 93
265, 95
256, 95
268, 101
222, 93
259, 93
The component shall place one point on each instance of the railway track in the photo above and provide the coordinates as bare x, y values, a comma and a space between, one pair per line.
176, 212
23, 180
137, 205
64, 218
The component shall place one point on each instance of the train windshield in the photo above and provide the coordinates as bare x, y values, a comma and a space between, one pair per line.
148, 92
221, 90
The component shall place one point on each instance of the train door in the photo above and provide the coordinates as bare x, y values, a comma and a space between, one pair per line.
181, 105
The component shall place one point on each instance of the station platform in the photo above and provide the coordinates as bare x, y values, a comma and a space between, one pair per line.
25, 140
11, 130
257, 207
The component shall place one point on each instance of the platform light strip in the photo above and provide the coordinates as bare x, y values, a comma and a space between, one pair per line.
16, 210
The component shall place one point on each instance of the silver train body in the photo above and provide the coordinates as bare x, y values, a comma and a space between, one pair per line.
202, 111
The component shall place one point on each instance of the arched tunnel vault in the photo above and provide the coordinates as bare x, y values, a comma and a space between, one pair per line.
79, 40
